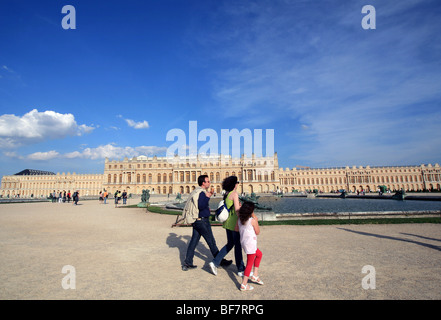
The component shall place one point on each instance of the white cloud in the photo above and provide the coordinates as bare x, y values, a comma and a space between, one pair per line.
110, 151
83, 129
72, 155
137, 125
105, 151
37, 126
43, 156
13, 154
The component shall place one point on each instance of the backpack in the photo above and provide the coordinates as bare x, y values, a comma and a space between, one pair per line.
191, 211
222, 212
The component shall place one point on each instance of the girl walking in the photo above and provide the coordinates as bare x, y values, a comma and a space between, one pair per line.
249, 229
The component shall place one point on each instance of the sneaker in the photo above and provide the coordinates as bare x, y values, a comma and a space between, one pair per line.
213, 268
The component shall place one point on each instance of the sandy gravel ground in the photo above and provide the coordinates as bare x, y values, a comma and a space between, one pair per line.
121, 253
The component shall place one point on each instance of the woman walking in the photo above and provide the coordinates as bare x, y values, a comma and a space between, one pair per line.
231, 199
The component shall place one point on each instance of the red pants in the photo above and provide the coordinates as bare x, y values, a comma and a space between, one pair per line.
253, 259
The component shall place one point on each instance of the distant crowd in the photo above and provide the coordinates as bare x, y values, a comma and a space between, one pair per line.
67, 196
63, 196
118, 195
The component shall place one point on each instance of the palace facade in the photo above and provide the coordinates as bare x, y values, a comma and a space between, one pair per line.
368, 179
42, 185
161, 175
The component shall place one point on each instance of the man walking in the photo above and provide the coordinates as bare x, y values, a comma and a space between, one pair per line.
124, 196
198, 211
76, 197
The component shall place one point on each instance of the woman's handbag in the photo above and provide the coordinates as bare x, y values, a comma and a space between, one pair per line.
222, 212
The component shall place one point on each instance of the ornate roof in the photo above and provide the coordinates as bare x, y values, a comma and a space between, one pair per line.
32, 172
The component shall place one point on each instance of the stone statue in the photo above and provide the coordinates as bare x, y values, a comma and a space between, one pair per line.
399, 195
145, 197
254, 199
178, 198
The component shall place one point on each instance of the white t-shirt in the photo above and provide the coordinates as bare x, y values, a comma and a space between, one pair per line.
248, 237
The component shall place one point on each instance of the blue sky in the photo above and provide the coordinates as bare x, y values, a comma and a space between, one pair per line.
334, 93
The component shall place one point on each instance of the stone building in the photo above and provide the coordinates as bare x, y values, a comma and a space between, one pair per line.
162, 175
409, 178
38, 185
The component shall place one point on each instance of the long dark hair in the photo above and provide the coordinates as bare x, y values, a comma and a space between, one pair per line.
228, 185
245, 211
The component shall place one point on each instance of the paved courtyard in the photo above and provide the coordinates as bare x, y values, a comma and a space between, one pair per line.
96, 251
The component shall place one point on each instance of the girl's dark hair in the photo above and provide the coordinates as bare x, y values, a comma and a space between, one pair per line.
228, 184
245, 211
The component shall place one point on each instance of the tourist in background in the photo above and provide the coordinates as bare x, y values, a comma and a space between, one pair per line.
105, 196
116, 198
76, 197
124, 197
